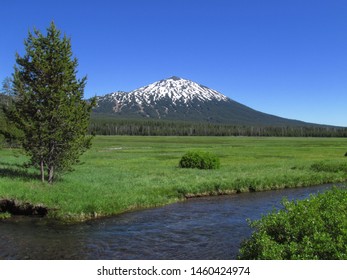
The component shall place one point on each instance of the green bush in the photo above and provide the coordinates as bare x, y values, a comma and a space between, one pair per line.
314, 228
200, 160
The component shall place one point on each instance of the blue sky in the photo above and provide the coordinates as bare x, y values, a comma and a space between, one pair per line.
287, 58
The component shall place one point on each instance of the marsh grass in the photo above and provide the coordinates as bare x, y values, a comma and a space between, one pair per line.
123, 173
327, 166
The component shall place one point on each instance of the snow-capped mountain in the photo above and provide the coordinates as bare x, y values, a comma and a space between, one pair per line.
161, 95
180, 99
178, 90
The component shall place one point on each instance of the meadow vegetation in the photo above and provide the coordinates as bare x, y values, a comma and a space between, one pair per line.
123, 173
314, 228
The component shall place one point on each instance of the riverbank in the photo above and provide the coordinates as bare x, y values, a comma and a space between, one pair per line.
121, 174
209, 228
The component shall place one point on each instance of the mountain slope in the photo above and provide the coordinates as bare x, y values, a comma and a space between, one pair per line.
179, 99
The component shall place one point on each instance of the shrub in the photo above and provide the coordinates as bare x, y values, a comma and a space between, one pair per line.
314, 228
200, 160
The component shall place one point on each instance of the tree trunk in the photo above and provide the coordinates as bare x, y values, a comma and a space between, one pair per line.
42, 171
50, 174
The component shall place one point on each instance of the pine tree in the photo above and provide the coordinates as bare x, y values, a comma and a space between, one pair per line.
49, 106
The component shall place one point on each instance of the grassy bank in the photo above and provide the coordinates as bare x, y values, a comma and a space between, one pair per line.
124, 173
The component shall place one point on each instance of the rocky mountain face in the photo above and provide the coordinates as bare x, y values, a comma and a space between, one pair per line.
180, 99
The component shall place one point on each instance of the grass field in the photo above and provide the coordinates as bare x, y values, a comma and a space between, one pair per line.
123, 173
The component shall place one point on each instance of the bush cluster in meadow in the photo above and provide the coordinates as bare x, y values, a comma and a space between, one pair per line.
200, 160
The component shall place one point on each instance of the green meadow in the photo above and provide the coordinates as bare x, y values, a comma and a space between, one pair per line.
125, 173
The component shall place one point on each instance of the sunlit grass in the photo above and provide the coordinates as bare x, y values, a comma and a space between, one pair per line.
124, 173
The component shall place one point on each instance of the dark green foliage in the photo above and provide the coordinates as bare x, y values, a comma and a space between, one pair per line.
329, 166
48, 105
346, 154
110, 125
200, 160
9, 134
314, 228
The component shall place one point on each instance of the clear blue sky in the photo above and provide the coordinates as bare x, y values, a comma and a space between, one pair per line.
283, 57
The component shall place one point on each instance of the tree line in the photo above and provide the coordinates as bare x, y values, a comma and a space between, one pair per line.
109, 126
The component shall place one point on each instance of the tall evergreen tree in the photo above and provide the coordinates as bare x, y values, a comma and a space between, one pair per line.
49, 106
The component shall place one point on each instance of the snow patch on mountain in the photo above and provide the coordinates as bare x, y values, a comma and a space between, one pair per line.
178, 90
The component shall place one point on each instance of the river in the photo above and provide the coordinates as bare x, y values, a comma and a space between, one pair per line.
199, 228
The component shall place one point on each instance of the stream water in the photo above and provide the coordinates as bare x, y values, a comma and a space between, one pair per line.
201, 228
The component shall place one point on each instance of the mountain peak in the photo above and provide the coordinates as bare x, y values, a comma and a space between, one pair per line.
175, 78
165, 98
176, 98
178, 90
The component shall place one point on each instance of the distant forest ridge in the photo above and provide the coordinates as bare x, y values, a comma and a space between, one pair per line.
103, 125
